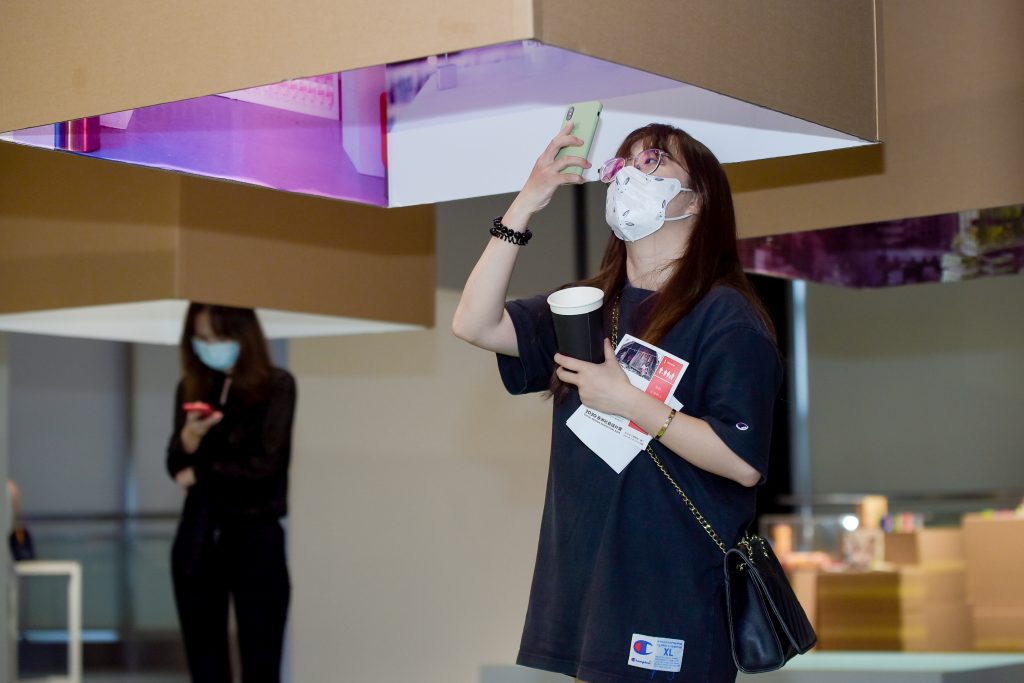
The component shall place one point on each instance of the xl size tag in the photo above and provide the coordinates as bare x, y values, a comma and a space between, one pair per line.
657, 654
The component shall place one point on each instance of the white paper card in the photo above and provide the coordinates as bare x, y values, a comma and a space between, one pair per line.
613, 438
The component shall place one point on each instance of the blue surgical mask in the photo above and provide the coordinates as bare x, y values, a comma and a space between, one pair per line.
220, 356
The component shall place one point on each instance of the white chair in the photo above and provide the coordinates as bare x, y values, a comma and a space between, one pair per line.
72, 570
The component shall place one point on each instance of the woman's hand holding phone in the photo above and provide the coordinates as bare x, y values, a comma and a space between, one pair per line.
199, 419
545, 178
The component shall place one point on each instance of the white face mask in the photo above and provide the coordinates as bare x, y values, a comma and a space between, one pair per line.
636, 203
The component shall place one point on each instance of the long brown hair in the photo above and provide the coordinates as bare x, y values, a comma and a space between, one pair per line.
710, 258
251, 374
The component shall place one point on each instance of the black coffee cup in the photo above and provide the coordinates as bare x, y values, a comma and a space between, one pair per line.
579, 322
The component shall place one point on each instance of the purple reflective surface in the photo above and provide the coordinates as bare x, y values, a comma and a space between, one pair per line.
224, 138
942, 248
327, 135
272, 146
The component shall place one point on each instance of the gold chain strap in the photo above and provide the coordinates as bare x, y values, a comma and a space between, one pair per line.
705, 524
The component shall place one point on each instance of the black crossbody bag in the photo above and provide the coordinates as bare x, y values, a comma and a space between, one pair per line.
767, 625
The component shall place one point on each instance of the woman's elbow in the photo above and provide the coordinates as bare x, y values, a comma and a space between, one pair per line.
461, 328
748, 476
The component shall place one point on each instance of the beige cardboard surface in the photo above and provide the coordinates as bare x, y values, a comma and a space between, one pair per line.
995, 555
998, 629
945, 585
80, 232
805, 586
947, 628
938, 547
873, 610
814, 59
67, 59
954, 101
286, 251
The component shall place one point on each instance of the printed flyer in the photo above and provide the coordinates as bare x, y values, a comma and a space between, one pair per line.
615, 439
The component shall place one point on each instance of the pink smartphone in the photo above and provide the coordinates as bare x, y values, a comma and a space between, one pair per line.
204, 409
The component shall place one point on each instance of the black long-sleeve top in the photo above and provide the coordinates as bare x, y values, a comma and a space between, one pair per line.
241, 465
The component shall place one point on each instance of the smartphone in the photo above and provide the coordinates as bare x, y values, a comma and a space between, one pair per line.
584, 116
204, 409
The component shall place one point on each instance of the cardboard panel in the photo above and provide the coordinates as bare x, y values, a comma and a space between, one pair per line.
811, 59
780, 79
255, 247
876, 610
954, 100
941, 547
995, 554
77, 233
80, 59
998, 629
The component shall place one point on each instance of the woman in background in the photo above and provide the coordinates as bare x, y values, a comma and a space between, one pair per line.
230, 449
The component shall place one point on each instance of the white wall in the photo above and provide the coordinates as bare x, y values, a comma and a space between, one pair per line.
68, 436
917, 388
417, 487
155, 371
418, 483
547, 261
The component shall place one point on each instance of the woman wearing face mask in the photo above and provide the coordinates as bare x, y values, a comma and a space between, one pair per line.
233, 463
627, 585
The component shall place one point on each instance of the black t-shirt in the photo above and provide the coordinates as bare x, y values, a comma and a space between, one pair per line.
620, 554
241, 464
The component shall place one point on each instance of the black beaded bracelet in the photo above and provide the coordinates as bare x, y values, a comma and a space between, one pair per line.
506, 233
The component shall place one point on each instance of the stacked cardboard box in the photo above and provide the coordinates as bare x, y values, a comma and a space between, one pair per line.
917, 602
994, 548
938, 554
805, 585
871, 610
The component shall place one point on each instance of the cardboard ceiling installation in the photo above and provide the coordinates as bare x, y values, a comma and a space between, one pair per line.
423, 103
430, 102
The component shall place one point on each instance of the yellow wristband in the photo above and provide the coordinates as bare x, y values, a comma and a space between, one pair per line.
664, 427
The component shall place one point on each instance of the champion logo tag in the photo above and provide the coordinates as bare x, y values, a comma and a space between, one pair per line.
655, 654
742, 426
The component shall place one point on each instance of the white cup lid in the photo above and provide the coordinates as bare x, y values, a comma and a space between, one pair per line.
576, 300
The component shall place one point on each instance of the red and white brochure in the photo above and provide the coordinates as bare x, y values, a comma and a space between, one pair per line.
613, 438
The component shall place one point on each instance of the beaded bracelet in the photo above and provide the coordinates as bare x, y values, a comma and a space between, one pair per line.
664, 427
506, 233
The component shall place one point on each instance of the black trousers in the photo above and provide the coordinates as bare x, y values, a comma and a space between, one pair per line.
243, 562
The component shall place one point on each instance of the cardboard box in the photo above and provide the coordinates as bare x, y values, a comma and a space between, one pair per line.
994, 549
948, 627
998, 629
805, 585
945, 584
925, 547
872, 610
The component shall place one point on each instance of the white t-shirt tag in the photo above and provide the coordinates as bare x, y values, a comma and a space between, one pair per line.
658, 654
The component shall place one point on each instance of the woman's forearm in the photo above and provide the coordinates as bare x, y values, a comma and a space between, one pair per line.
189, 440
691, 439
480, 318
